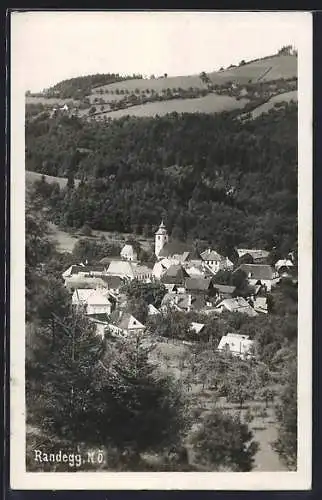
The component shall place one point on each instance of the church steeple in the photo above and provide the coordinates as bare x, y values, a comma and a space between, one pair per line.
161, 238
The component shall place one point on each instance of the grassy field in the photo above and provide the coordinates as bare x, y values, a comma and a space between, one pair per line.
278, 66
52, 101
211, 103
31, 177
264, 108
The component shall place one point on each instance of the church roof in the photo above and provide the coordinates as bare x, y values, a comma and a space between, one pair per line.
179, 248
162, 229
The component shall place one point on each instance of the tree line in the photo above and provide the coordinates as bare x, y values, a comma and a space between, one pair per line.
209, 176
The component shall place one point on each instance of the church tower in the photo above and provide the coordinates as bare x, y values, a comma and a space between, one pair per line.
161, 238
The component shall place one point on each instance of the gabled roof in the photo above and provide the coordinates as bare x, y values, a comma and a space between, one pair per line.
239, 304
201, 284
82, 294
258, 271
123, 320
88, 269
98, 298
197, 327
152, 309
121, 268
283, 263
235, 343
113, 282
174, 274
128, 248
224, 288
255, 253
211, 255
180, 248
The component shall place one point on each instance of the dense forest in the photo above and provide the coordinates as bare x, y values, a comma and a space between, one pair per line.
211, 177
81, 86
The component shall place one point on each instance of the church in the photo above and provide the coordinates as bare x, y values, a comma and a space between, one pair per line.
175, 251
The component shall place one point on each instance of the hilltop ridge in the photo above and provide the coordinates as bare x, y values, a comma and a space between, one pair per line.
104, 96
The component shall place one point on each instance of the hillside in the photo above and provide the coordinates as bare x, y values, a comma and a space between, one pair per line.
250, 83
210, 176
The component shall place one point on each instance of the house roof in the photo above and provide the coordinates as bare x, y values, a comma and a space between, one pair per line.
141, 270
123, 319
283, 263
255, 253
174, 274
197, 327
98, 298
82, 294
128, 248
258, 271
224, 288
180, 248
238, 344
211, 255
121, 268
113, 282
152, 309
84, 282
239, 304
202, 284
77, 268
99, 318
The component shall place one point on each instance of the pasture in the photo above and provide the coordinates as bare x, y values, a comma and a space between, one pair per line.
211, 103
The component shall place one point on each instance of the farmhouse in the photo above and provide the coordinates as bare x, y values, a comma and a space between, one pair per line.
175, 275
260, 274
238, 345
129, 253
199, 285
239, 304
93, 301
258, 255
123, 323
215, 261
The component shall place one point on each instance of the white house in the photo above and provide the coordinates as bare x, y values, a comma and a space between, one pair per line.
256, 254
197, 327
215, 261
99, 303
238, 304
128, 253
238, 345
123, 323
92, 301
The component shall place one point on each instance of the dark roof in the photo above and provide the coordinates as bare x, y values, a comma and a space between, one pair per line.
224, 288
87, 269
198, 283
176, 274
258, 271
101, 317
179, 248
113, 281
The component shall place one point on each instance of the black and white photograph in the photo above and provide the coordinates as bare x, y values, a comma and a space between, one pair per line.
161, 268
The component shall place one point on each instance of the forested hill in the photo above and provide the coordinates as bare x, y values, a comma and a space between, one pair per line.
211, 177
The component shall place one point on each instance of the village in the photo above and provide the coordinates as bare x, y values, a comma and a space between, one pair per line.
191, 281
